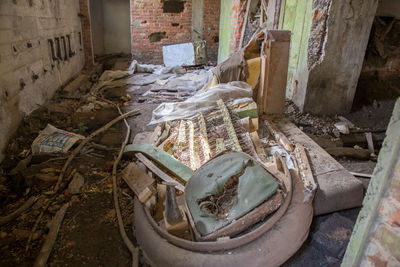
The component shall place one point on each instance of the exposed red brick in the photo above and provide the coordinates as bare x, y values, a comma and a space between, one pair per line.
394, 219
388, 239
378, 260
237, 21
151, 11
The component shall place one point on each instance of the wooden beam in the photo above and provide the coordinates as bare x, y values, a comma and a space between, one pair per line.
273, 84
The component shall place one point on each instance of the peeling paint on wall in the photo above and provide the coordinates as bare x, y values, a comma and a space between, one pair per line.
30, 71
319, 32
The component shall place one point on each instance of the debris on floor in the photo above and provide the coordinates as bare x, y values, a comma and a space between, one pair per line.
208, 169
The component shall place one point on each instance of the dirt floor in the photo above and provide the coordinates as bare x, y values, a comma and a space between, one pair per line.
89, 233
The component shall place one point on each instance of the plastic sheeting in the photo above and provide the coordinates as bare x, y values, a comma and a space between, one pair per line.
202, 101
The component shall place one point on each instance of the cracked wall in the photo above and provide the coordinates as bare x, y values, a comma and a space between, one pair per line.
154, 24
40, 50
318, 33
327, 51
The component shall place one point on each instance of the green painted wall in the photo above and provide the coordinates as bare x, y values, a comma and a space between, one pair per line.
225, 30
296, 16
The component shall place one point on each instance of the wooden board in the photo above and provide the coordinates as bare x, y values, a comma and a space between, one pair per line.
159, 172
139, 181
337, 188
258, 146
273, 83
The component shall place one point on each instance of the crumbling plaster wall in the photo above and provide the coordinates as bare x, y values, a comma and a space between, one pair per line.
327, 51
151, 28
28, 74
332, 83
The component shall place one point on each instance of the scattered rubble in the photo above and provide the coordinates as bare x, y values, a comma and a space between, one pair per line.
76, 184
35, 184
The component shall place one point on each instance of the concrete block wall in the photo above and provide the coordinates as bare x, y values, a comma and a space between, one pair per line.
376, 236
151, 28
28, 74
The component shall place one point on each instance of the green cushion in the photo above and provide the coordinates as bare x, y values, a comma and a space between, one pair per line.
255, 185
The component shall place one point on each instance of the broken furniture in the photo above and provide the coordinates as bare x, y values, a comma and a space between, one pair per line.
239, 191
257, 245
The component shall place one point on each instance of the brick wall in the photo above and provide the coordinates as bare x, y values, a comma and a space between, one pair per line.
211, 27
238, 13
148, 21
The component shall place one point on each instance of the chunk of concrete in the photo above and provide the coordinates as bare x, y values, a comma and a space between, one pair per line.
76, 184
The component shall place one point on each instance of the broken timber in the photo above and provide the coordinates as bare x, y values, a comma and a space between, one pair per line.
304, 168
176, 167
138, 180
279, 136
274, 68
337, 188
159, 172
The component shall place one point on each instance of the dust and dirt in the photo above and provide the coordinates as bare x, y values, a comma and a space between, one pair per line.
89, 233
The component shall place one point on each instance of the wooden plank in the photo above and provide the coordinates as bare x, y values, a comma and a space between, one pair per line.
359, 174
279, 136
253, 125
337, 188
370, 142
176, 167
276, 49
271, 14
262, 85
304, 168
348, 152
138, 181
258, 146
159, 172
